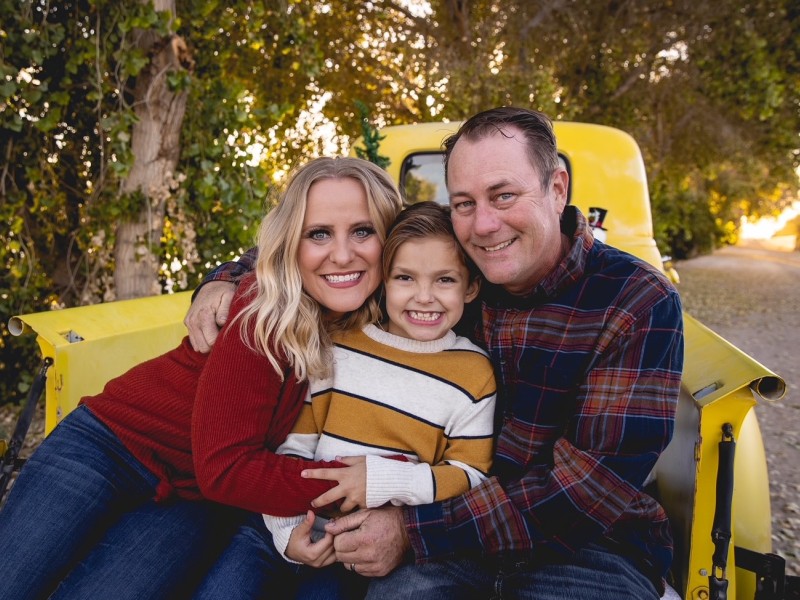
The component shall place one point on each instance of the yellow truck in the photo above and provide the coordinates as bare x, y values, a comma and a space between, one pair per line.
717, 499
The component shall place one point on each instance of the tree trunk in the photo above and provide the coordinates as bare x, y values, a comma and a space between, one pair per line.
155, 142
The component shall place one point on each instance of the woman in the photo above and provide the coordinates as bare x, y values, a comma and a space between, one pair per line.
110, 505
408, 397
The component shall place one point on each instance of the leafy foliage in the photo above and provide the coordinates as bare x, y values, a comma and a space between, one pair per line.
710, 90
372, 139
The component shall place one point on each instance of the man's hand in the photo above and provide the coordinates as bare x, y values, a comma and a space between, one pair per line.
372, 540
208, 313
352, 488
314, 554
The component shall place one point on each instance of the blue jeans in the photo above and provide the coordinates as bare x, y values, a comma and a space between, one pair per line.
594, 573
80, 522
251, 568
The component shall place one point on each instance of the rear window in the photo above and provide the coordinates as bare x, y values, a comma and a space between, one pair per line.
422, 177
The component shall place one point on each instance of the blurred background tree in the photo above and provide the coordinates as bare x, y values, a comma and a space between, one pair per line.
139, 141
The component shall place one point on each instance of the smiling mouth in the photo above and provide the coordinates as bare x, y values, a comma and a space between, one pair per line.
342, 278
424, 316
498, 247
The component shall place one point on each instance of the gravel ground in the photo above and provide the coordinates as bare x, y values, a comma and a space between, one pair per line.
750, 295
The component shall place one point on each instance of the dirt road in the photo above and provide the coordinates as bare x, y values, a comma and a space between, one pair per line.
750, 295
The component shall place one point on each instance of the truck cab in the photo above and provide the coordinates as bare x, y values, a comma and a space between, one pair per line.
696, 478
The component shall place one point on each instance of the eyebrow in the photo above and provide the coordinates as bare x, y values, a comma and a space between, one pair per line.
413, 270
330, 226
492, 188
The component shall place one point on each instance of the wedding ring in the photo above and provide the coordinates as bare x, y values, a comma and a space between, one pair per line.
353, 567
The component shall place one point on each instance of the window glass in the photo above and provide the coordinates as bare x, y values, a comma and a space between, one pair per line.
422, 177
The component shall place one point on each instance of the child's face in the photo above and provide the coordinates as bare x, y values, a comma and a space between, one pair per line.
427, 287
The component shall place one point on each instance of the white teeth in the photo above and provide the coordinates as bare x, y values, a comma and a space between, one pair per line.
424, 316
499, 246
342, 278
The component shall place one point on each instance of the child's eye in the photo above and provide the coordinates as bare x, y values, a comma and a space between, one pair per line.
402, 277
447, 280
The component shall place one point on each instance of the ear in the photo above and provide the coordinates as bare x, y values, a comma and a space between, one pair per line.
559, 183
472, 290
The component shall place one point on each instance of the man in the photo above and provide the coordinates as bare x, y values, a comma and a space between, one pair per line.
588, 346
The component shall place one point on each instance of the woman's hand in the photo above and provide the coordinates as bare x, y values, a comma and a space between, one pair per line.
314, 554
352, 488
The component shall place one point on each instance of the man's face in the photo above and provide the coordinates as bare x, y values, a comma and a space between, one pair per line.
501, 215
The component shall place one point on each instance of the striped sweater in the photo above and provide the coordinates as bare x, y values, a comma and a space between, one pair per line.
429, 402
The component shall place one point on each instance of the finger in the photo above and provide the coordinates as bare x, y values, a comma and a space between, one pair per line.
346, 523
348, 505
209, 332
329, 560
224, 308
197, 341
195, 336
326, 474
329, 497
304, 528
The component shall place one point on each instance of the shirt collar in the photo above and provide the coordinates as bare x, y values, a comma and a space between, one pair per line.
564, 275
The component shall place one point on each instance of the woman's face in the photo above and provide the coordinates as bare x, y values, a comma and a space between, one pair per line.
340, 252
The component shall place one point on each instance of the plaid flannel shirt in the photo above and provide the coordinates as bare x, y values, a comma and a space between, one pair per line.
589, 367
231, 271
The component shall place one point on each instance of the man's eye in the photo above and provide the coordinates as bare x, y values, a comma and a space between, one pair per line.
505, 196
463, 205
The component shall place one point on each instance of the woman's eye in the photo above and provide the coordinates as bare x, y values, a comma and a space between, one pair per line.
318, 234
364, 232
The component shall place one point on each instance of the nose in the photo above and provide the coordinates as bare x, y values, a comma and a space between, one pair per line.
341, 252
485, 221
423, 293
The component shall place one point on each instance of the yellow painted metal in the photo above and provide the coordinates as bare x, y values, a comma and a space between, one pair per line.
607, 171
721, 384
91, 344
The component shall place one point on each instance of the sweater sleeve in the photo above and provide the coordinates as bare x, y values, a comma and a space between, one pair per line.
465, 463
243, 410
281, 529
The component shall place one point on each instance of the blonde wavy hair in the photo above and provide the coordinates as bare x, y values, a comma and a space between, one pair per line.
281, 320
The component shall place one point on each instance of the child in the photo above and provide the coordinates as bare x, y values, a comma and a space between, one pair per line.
407, 389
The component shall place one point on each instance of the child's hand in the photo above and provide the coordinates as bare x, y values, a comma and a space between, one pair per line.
352, 488
314, 554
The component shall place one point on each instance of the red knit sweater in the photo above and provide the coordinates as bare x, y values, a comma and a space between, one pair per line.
207, 424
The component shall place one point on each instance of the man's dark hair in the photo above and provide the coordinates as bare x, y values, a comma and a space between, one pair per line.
536, 127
